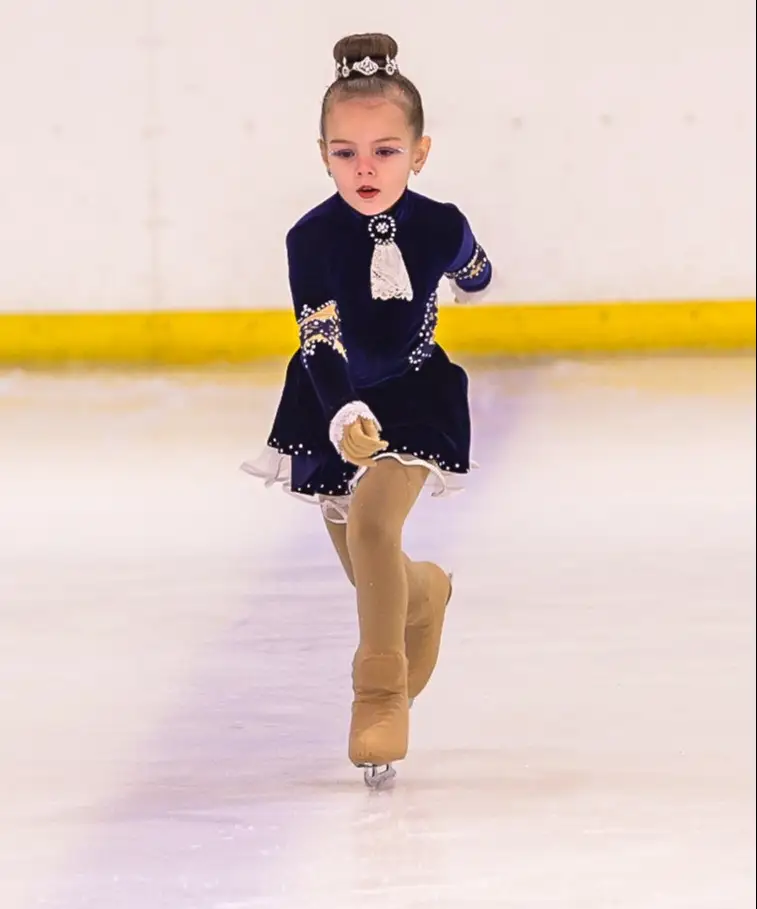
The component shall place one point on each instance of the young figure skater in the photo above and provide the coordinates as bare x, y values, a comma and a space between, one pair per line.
372, 410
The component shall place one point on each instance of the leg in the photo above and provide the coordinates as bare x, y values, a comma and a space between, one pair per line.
379, 508
417, 572
338, 534
428, 592
423, 631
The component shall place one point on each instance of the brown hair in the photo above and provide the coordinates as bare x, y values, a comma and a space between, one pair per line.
399, 88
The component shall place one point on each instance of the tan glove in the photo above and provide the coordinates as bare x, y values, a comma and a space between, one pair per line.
360, 441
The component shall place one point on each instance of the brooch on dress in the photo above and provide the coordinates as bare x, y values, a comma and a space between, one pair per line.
389, 277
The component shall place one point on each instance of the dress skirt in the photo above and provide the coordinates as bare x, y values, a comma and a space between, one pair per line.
424, 416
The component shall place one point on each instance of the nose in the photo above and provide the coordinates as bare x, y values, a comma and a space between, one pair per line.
365, 166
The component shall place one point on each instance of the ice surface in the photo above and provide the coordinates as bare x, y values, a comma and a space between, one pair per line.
175, 644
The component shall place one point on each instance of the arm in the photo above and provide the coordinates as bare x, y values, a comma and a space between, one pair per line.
322, 349
471, 271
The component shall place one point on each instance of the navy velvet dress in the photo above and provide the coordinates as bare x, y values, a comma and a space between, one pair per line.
370, 352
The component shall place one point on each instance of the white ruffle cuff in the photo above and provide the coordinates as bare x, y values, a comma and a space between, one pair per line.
344, 417
472, 296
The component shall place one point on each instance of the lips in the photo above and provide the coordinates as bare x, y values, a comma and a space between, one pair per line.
368, 192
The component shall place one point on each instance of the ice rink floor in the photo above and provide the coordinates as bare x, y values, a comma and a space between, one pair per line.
175, 643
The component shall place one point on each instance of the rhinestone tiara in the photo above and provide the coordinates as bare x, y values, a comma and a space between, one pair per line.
366, 67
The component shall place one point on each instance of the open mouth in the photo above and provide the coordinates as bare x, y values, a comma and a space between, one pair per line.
367, 192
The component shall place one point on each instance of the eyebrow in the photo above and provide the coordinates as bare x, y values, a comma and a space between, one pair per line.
375, 141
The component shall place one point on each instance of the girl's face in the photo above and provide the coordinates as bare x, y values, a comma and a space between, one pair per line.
371, 151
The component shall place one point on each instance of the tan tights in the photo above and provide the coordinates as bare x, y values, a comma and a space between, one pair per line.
390, 589
394, 593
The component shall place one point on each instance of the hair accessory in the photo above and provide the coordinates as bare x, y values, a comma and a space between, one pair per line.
366, 67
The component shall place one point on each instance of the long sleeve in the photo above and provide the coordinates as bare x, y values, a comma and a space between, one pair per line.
322, 348
471, 271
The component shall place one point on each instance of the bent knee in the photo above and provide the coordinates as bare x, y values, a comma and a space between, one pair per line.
369, 528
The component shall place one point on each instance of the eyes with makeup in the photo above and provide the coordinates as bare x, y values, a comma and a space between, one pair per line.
383, 152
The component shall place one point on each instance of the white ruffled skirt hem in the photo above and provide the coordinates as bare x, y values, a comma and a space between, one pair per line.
275, 468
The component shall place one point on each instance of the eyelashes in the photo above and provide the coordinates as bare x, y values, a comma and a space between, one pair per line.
345, 154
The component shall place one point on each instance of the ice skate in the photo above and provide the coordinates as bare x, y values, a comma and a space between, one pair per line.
380, 724
423, 636
379, 776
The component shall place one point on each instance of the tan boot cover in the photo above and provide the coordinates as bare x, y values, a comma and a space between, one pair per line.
379, 729
423, 633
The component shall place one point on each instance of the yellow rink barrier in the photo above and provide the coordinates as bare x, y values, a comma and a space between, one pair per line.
240, 336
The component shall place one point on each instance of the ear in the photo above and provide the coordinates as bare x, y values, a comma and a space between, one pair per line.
421, 153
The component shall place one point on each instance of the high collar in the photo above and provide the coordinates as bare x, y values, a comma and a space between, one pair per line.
399, 211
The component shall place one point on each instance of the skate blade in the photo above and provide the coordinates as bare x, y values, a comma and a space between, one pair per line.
378, 776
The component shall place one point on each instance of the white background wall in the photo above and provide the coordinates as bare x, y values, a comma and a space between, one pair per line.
153, 153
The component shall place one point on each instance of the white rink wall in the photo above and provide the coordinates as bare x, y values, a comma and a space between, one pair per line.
153, 153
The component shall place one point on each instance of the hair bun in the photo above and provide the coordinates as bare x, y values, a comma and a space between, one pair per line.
355, 48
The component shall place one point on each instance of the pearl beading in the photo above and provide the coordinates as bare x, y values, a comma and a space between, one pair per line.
293, 450
427, 333
382, 229
474, 269
320, 326
297, 449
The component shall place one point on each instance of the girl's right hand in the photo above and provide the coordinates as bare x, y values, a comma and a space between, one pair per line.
361, 441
